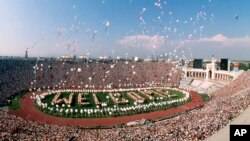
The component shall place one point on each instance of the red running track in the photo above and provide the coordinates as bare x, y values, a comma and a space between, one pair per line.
29, 112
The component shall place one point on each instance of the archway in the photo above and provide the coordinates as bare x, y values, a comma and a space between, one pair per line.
210, 74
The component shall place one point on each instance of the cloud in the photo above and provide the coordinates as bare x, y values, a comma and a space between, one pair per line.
221, 46
155, 41
142, 41
216, 38
220, 40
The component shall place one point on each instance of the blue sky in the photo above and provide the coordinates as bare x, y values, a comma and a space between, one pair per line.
188, 28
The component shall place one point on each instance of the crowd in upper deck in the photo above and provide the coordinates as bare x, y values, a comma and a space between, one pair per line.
18, 75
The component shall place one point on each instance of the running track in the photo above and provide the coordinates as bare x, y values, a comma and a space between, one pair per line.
29, 112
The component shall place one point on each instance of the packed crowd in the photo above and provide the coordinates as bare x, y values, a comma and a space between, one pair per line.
17, 75
226, 104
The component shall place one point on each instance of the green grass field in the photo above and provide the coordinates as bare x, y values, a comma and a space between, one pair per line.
205, 97
102, 97
15, 103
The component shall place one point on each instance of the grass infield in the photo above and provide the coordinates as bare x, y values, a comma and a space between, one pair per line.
102, 97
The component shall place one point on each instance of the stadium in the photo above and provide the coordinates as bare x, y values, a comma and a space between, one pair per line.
151, 76
139, 103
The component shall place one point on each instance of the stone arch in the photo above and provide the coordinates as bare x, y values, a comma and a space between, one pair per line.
210, 74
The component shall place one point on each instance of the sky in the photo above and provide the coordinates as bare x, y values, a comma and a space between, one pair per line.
126, 28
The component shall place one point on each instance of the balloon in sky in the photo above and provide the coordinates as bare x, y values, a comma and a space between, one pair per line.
106, 24
61, 32
141, 16
93, 36
236, 17
158, 4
